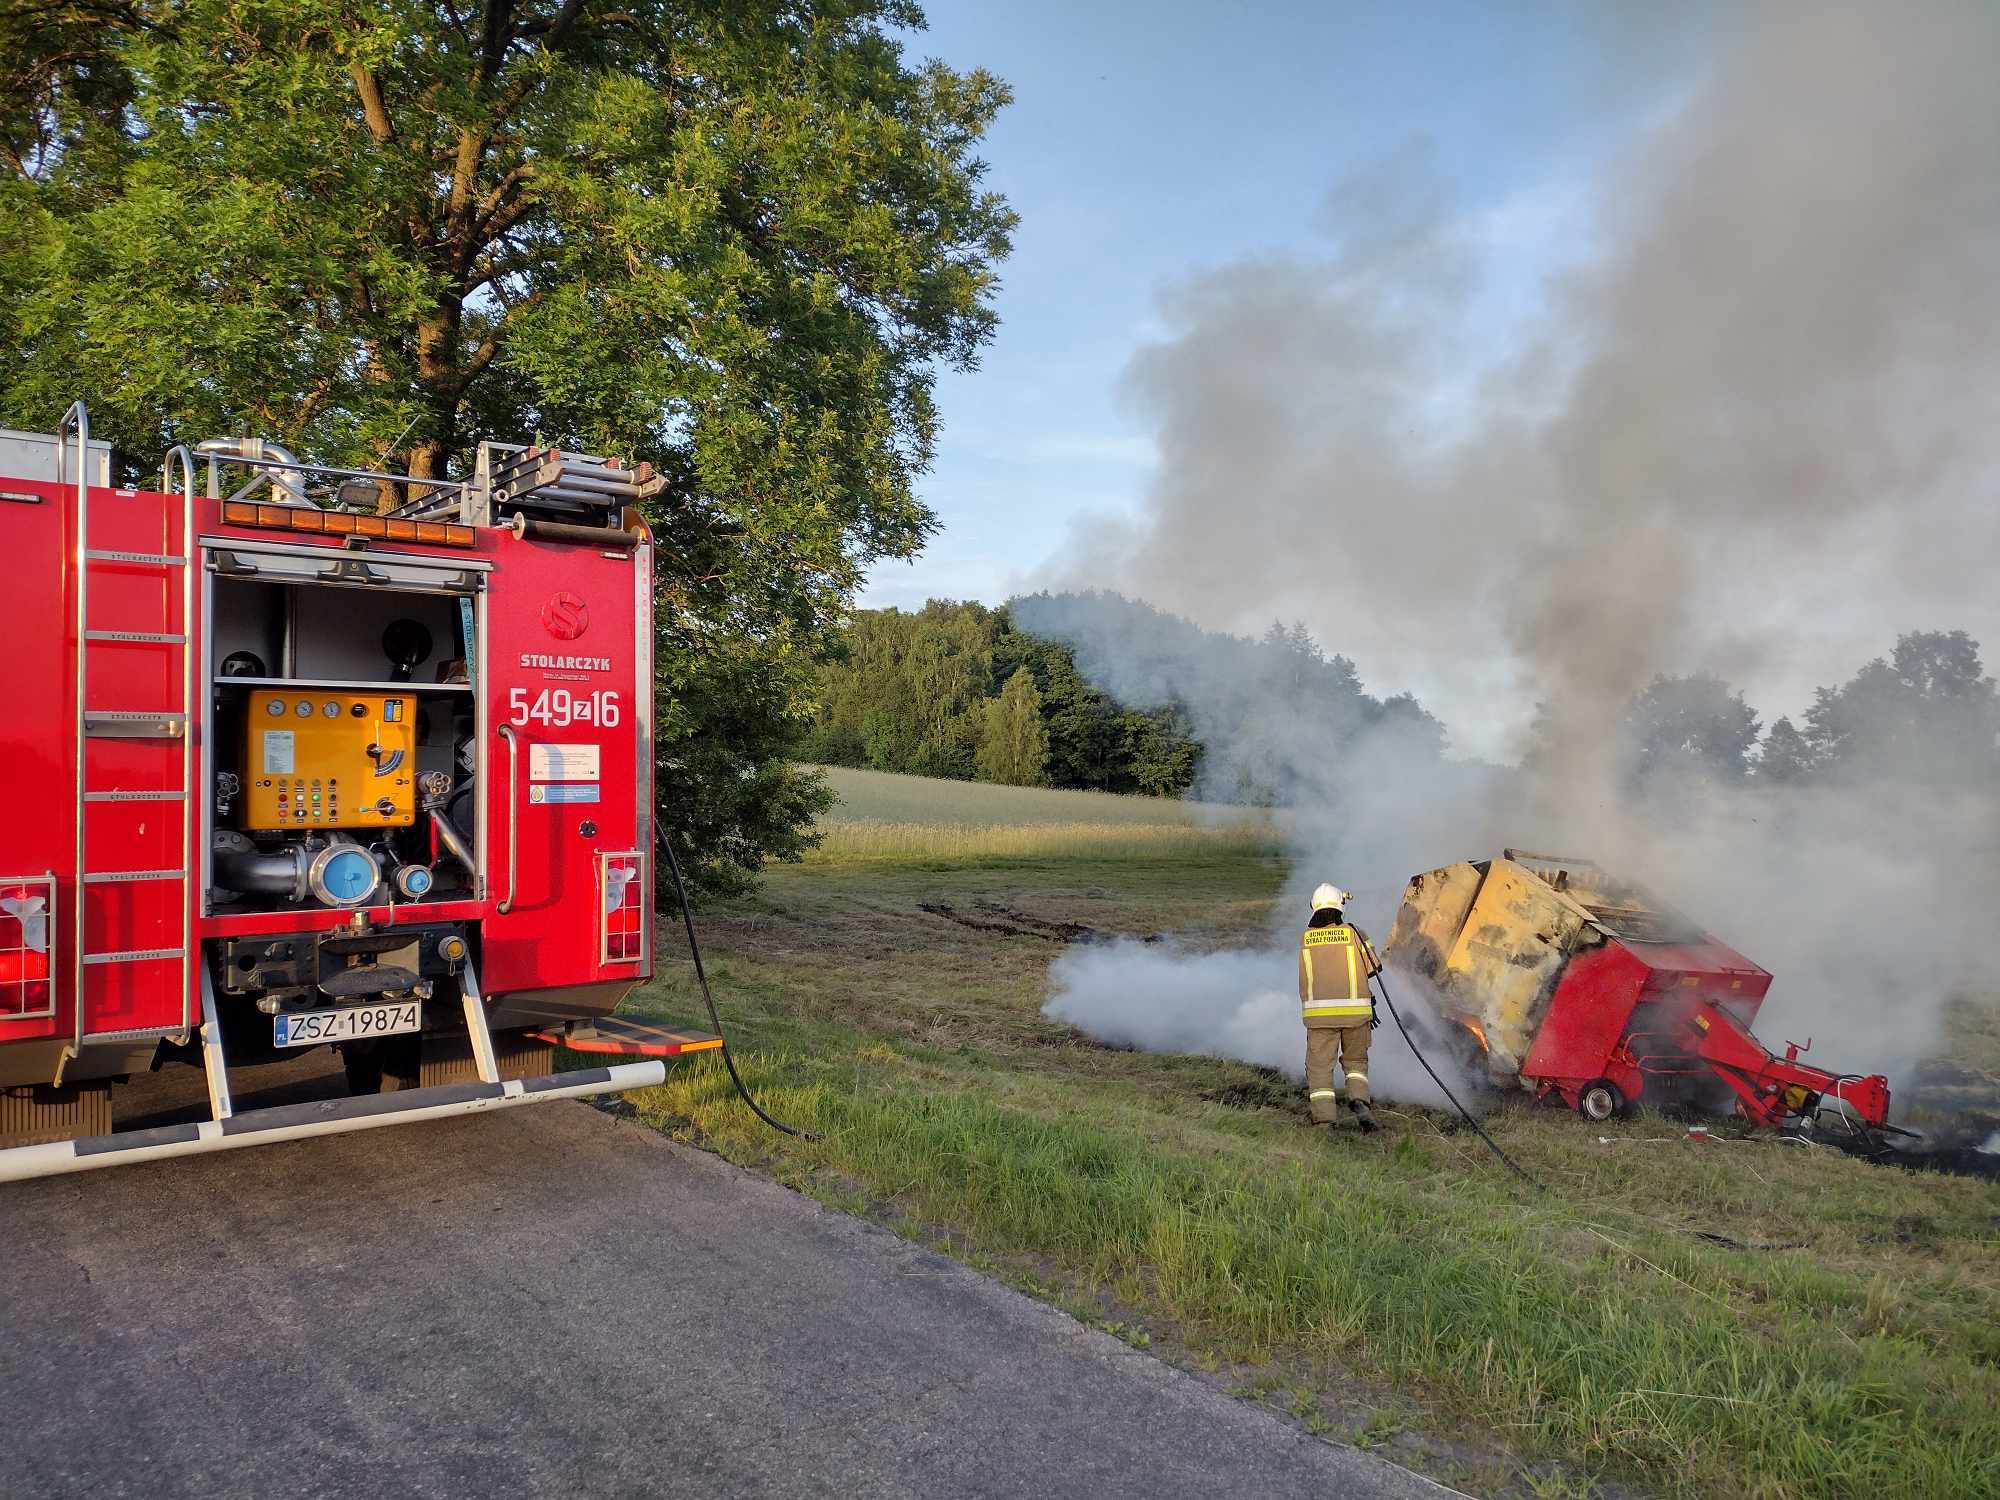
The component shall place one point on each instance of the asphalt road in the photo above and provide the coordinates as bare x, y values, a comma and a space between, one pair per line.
552, 1301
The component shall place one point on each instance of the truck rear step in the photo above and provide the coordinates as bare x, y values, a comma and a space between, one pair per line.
627, 1038
291, 1122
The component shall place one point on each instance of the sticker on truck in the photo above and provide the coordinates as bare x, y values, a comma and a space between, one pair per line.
564, 763
563, 792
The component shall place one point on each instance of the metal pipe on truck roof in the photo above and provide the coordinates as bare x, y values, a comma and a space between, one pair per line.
288, 484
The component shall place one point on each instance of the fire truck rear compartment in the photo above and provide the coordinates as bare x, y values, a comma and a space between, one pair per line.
343, 753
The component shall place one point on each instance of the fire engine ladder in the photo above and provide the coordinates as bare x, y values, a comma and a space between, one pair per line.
101, 890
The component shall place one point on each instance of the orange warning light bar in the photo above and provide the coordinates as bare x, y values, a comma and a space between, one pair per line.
346, 523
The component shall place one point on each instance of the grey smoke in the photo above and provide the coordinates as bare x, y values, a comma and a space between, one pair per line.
1236, 1003
1751, 433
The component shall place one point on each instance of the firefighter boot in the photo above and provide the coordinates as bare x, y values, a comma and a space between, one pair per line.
1364, 1116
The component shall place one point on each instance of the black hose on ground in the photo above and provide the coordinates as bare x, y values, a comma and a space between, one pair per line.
1512, 1165
715, 1019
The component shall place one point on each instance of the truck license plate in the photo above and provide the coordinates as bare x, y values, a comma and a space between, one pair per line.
310, 1028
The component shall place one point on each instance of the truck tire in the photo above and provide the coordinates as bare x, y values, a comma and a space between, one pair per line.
1600, 1101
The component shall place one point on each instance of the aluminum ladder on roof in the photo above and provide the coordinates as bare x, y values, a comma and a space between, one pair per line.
170, 725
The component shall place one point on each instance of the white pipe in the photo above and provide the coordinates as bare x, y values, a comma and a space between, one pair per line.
20, 1163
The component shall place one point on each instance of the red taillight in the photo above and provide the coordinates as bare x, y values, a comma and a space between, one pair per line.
24, 948
19, 965
624, 888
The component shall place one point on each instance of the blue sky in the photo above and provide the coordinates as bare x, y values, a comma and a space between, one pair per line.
1150, 141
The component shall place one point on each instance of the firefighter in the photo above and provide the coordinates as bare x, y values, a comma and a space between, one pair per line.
1336, 961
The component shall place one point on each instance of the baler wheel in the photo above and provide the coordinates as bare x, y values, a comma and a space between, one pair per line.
1600, 1101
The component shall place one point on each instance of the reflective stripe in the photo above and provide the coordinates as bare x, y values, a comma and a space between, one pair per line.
1352, 1074
1357, 1009
1324, 1094
1350, 970
1306, 958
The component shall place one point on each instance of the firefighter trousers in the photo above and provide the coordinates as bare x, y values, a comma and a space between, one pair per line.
1326, 1047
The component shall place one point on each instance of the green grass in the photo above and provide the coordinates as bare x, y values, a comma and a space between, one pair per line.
882, 816
1843, 1339
883, 796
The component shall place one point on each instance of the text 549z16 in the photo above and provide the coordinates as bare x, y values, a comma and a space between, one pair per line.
559, 707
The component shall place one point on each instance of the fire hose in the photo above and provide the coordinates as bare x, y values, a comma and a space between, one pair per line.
715, 1018
1513, 1166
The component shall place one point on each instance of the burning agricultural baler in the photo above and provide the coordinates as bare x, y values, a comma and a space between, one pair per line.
1560, 979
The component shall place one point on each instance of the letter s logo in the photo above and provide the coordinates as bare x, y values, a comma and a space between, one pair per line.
565, 616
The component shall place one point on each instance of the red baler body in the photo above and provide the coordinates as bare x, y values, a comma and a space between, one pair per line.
1568, 978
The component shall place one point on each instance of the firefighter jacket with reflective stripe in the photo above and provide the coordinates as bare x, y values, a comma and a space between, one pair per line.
1334, 966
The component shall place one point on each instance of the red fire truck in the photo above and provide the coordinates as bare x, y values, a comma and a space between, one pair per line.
319, 757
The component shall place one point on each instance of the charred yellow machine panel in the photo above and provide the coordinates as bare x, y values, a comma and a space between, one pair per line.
319, 758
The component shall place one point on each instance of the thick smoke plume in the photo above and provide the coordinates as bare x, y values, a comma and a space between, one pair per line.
1750, 432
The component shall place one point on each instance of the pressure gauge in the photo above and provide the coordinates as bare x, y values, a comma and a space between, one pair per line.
275, 707
330, 709
305, 708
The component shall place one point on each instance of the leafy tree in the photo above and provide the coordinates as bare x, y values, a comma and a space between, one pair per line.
1085, 744
1929, 713
1014, 749
1161, 749
1689, 725
1788, 757
911, 692
833, 745
948, 671
732, 237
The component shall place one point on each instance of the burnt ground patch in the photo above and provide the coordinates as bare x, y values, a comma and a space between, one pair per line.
990, 916
1269, 1089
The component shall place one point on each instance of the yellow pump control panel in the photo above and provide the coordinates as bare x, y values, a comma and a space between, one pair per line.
316, 757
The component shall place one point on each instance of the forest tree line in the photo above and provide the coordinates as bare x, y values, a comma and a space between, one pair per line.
956, 690
1927, 713
962, 690
1095, 691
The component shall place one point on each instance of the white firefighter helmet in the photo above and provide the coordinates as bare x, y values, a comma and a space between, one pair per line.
1329, 897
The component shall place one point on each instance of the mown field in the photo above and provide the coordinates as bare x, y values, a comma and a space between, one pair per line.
1663, 1317
885, 816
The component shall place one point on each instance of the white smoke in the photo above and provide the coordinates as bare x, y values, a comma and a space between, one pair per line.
1238, 1003
1753, 437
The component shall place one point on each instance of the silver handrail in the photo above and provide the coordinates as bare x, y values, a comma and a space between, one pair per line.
79, 419
265, 465
194, 743
513, 816
180, 451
